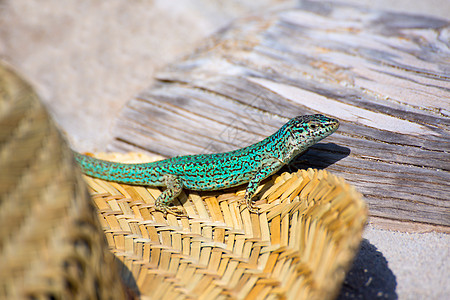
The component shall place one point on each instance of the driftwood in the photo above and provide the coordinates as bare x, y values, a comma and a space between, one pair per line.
384, 75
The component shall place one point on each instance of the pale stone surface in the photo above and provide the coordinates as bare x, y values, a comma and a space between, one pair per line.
419, 261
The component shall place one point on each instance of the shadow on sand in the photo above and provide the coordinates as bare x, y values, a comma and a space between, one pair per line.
369, 277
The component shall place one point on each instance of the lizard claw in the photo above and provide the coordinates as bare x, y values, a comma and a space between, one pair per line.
170, 210
251, 208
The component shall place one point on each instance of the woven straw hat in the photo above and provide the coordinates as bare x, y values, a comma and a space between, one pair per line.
299, 247
51, 243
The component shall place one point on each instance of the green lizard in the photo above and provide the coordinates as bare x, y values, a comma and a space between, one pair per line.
209, 172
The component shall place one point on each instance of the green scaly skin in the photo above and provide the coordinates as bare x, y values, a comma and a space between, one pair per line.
210, 172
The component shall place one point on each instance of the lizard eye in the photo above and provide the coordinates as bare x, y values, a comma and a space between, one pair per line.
313, 126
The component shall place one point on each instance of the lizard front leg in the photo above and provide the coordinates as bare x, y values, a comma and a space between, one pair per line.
173, 190
269, 166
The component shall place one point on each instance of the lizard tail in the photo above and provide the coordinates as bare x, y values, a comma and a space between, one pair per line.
136, 174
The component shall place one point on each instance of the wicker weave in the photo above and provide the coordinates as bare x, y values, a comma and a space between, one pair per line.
299, 247
51, 243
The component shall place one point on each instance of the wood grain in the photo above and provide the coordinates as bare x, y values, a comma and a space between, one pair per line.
384, 75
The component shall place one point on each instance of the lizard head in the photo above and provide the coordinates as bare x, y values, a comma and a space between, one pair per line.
305, 131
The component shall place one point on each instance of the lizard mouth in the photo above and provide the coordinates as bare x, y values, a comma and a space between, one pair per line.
324, 127
333, 125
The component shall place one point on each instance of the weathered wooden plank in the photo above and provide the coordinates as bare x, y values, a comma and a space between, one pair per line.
385, 76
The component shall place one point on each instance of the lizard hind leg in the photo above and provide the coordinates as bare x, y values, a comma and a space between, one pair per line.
173, 190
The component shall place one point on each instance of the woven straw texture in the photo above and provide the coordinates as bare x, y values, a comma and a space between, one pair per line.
299, 247
51, 243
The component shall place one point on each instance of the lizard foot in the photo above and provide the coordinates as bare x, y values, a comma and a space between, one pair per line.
251, 208
170, 210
